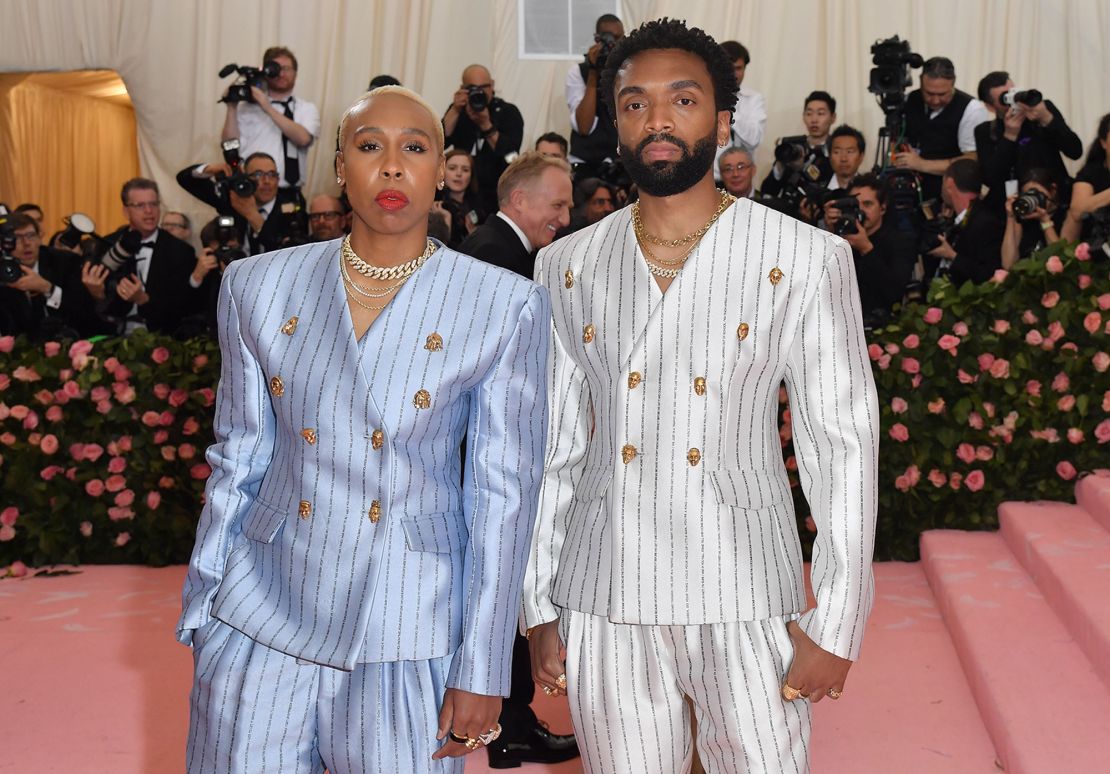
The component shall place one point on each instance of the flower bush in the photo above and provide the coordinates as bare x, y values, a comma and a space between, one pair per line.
987, 393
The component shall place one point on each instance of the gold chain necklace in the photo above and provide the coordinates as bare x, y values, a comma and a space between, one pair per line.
645, 236
382, 293
385, 274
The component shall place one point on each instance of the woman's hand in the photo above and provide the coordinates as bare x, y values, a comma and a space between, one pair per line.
465, 714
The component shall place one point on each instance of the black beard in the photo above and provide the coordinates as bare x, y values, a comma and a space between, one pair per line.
667, 178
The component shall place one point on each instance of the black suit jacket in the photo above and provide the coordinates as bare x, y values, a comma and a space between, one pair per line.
495, 242
172, 298
20, 313
274, 228
978, 246
489, 162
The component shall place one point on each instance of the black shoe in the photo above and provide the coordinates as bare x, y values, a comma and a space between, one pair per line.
531, 744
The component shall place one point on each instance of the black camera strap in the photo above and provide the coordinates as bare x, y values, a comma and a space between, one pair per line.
292, 153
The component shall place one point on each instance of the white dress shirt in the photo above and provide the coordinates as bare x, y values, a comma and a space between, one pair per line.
258, 132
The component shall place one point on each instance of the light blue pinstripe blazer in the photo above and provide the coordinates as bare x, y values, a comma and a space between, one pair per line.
286, 549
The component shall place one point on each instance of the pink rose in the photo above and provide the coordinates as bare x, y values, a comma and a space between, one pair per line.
1101, 362
169, 453
72, 389
125, 498
1000, 369
1075, 435
936, 406
5, 382
19, 412
190, 426
902, 484
6, 534
874, 351
7, 439
937, 479
900, 433
984, 453
975, 421
86, 528
117, 465
1049, 435
208, 395
125, 394
955, 480
1029, 318
1084, 281
93, 451
49, 443
153, 500
77, 451
100, 392
1034, 338
965, 377
1104, 301
103, 407
161, 391
911, 341
123, 539
160, 355
916, 381
34, 439
94, 488
186, 451
81, 347
9, 516
985, 360
1000, 326
7, 343
17, 569
161, 436
1061, 382
50, 471
1065, 470
1083, 251
1033, 387
45, 397
911, 365
122, 373
51, 348
999, 276
966, 452
1055, 331
975, 480
913, 475
200, 471
883, 362
1050, 299
199, 362
166, 418
1102, 431
31, 422
1066, 403
960, 328
898, 406
124, 443
165, 482
933, 315
115, 483
150, 418
948, 343
1054, 265
178, 397
54, 414
892, 349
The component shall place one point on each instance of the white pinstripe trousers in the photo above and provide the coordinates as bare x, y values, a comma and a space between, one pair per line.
627, 685
255, 709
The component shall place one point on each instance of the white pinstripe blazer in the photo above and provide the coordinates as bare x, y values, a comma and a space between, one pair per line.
325, 540
698, 526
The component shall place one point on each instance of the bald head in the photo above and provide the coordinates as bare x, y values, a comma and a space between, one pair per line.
476, 74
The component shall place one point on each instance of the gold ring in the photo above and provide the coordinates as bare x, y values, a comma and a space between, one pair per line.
835, 694
561, 681
789, 692
549, 691
472, 744
456, 738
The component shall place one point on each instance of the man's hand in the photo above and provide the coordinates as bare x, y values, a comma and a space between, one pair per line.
859, 240
1039, 113
131, 289
93, 277
481, 119
908, 159
206, 262
593, 53
262, 99
212, 170
32, 282
1012, 121
943, 250
814, 671
458, 101
465, 714
549, 657
247, 207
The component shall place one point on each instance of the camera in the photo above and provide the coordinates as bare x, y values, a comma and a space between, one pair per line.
607, 40
1099, 239
240, 90
893, 59
122, 251
10, 268
1028, 203
227, 236
78, 226
791, 151
850, 215
476, 98
238, 181
1027, 97
933, 226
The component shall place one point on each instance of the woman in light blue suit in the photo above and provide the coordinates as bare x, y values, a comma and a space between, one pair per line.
351, 597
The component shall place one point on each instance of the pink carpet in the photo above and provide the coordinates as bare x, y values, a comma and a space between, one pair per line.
93, 681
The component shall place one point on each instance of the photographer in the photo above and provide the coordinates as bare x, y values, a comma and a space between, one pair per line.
264, 222
940, 125
275, 122
552, 144
219, 247
738, 173
487, 127
178, 224
593, 135
148, 278
884, 256
972, 250
846, 149
1027, 132
804, 159
1034, 218
41, 294
328, 218
1090, 197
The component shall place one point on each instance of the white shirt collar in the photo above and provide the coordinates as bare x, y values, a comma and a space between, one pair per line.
516, 228
960, 218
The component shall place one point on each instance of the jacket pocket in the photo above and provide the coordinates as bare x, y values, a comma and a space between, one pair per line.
263, 522
441, 533
749, 488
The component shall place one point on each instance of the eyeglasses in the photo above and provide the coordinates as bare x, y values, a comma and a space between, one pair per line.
144, 205
735, 167
166, 224
29, 238
329, 215
269, 175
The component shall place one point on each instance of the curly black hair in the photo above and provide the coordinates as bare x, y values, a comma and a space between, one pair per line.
672, 33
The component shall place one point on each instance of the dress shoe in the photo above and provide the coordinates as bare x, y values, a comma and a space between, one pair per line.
531, 744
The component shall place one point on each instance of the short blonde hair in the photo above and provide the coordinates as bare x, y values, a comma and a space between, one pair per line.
525, 170
402, 91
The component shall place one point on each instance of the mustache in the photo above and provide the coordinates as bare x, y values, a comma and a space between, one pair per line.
662, 137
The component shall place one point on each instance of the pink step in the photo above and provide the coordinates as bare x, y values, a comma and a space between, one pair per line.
1092, 493
1041, 700
1068, 555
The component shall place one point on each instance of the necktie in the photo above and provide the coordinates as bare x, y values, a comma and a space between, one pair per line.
292, 159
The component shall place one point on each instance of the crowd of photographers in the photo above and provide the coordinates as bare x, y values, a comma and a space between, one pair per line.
958, 186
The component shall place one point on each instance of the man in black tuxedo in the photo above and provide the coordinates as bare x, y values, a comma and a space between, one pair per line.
973, 250
262, 221
534, 195
48, 300
155, 277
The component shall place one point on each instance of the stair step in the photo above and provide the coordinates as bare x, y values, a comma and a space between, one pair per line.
1092, 493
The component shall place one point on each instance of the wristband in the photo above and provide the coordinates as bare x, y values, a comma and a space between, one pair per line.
1046, 225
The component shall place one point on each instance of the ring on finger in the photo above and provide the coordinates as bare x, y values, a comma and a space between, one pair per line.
472, 744
490, 736
834, 694
561, 681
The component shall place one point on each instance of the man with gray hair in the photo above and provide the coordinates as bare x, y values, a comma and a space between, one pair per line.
940, 125
737, 171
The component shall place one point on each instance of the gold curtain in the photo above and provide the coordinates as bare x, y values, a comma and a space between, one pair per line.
71, 143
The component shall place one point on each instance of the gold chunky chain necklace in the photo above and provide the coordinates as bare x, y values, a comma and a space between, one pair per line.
669, 269
385, 274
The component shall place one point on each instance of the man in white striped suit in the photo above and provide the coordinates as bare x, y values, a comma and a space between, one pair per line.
351, 599
665, 562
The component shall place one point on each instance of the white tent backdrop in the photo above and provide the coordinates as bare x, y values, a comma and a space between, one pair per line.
169, 51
